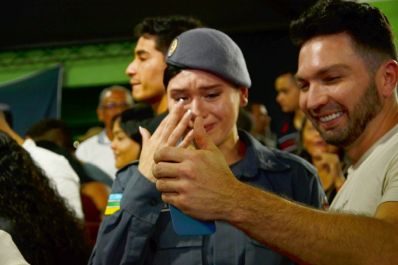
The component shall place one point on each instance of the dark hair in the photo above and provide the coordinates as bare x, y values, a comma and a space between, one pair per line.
170, 72
165, 29
43, 228
131, 119
368, 26
50, 130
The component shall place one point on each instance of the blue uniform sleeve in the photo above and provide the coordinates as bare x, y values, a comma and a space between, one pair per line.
309, 188
123, 235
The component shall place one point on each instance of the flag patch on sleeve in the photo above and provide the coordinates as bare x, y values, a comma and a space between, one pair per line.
113, 203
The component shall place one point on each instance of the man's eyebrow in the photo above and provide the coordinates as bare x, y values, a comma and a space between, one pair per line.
324, 70
140, 52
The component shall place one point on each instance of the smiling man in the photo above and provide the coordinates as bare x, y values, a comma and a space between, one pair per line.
348, 77
207, 82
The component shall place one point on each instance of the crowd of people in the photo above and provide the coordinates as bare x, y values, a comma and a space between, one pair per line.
187, 138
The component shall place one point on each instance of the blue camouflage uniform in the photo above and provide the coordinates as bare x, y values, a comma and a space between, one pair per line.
141, 232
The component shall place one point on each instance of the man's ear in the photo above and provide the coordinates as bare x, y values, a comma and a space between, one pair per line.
244, 96
387, 78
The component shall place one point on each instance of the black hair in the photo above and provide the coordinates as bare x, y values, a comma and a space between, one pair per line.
44, 229
42, 131
165, 29
170, 72
368, 26
131, 119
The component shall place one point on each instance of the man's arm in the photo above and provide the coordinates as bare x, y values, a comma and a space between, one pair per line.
317, 237
200, 183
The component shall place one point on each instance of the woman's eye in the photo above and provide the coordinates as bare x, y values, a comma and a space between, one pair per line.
212, 95
331, 79
178, 99
121, 137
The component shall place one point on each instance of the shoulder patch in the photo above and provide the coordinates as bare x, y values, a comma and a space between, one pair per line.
113, 203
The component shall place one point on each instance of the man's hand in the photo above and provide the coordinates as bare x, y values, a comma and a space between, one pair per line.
197, 181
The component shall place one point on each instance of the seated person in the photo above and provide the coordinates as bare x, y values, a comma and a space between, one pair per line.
287, 97
97, 150
262, 124
55, 135
207, 81
126, 142
55, 167
328, 159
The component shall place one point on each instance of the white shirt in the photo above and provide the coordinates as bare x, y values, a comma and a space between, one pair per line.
97, 150
9, 253
60, 173
373, 179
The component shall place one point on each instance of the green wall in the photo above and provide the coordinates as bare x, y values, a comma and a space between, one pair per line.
390, 9
85, 65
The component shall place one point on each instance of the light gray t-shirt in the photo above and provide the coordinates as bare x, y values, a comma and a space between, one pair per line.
372, 180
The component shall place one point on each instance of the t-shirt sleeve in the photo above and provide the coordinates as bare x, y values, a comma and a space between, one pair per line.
390, 185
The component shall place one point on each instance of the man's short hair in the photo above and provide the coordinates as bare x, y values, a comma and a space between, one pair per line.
165, 29
368, 26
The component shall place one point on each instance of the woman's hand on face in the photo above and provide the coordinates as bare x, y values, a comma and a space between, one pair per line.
169, 133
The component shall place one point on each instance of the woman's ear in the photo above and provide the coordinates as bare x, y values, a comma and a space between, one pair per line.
244, 96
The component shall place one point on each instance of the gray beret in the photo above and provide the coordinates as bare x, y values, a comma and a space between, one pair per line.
212, 51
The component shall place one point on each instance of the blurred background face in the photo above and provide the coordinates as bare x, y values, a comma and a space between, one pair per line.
146, 71
124, 148
261, 118
210, 97
287, 93
313, 142
115, 102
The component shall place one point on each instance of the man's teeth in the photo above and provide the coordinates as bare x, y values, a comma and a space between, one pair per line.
330, 117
